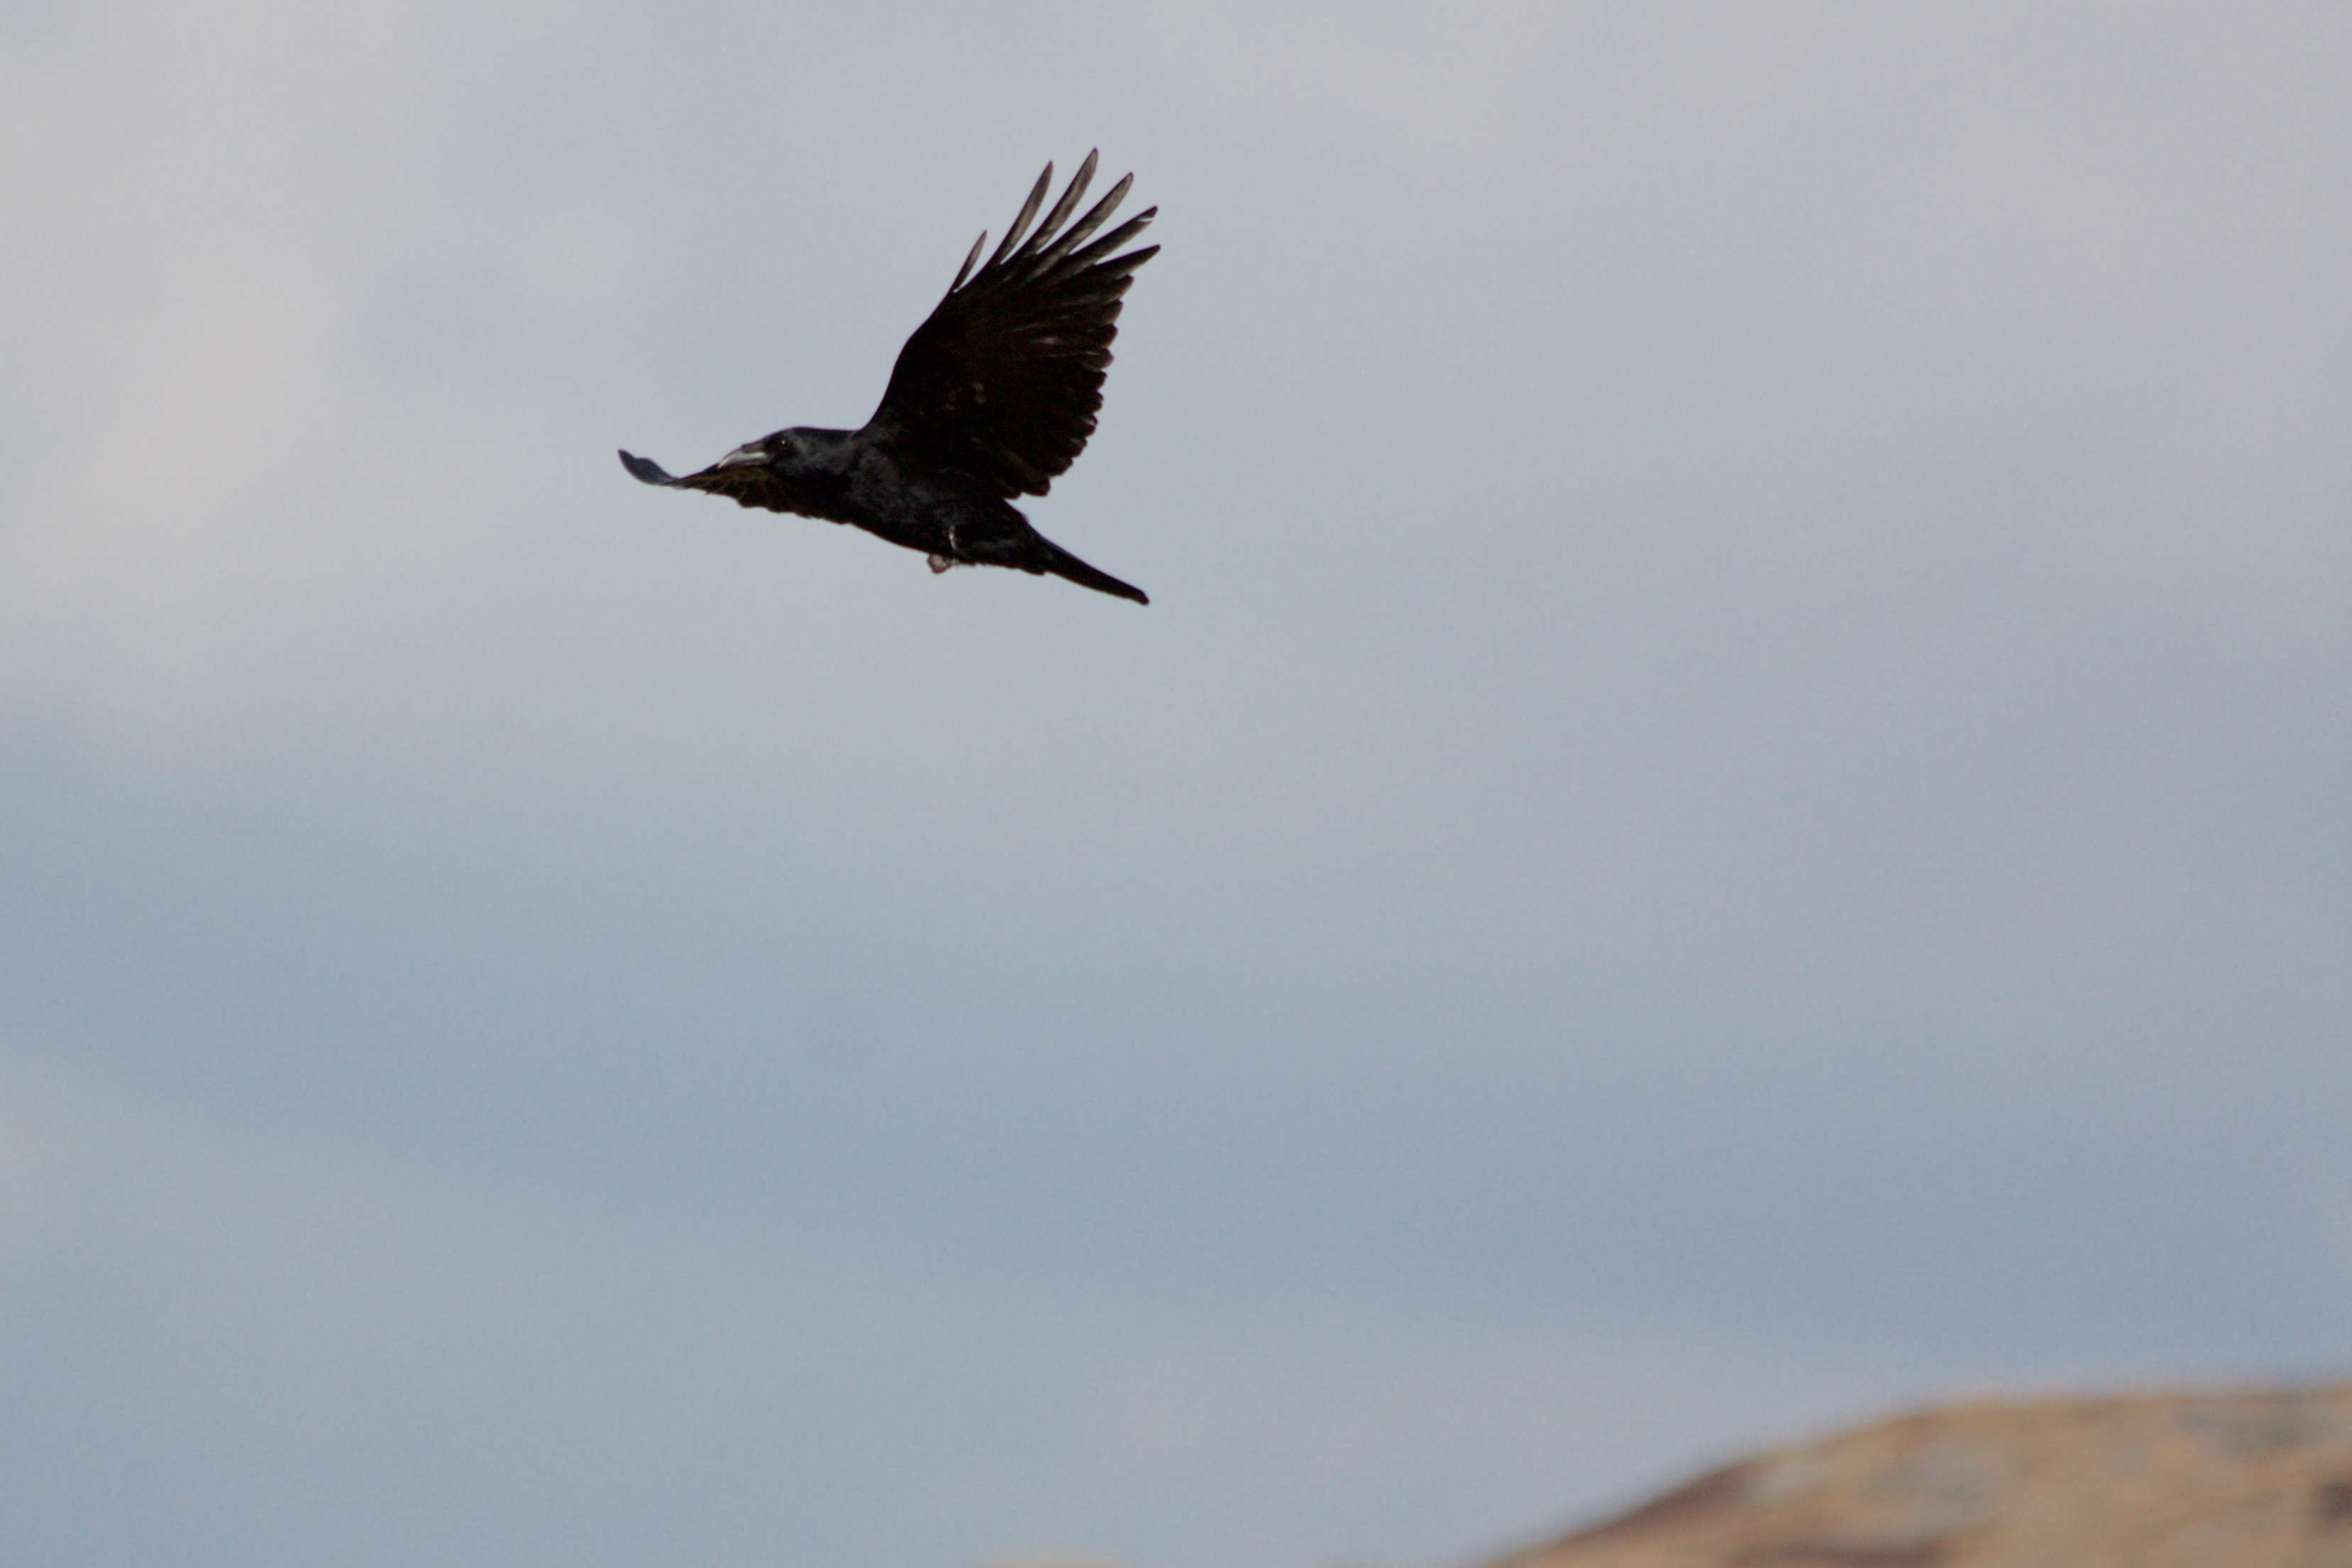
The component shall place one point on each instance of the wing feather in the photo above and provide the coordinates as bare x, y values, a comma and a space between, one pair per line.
965, 270
745, 484
1028, 210
1082, 228
1004, 380
1070, 198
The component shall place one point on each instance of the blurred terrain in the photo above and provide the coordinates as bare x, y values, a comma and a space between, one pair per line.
2247, 1479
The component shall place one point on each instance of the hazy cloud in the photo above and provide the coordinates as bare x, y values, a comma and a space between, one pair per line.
1730, 805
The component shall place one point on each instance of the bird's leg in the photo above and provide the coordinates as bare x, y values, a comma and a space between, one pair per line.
941, 562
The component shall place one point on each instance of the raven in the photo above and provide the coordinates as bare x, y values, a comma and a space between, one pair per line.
992, 397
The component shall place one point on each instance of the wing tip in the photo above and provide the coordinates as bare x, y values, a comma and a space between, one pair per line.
644, 469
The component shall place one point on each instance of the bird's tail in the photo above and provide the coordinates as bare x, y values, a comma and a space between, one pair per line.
1048, 555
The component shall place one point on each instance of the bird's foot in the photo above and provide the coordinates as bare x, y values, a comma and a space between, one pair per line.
941, 562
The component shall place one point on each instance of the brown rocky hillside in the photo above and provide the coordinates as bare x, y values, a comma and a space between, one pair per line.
2258, 1479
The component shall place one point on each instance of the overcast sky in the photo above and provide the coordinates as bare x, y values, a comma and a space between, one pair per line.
1730, 810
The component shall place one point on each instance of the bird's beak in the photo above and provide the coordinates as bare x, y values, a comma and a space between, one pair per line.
743, 456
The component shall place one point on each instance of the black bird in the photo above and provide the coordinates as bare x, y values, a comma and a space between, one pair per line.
992, 396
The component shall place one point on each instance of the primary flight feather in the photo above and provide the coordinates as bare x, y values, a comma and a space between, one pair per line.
992, 396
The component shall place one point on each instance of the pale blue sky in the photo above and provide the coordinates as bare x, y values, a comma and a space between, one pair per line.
1730, 809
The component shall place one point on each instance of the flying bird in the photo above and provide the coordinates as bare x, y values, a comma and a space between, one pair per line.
992, 396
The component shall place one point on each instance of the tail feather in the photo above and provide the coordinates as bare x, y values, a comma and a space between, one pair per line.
1048, 555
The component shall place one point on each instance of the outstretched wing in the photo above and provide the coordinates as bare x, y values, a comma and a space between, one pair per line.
745, 484
1002, 381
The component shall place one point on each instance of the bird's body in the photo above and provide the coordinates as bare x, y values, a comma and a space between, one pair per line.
992, 396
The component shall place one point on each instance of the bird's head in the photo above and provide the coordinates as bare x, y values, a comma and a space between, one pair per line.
785, 452
768, 452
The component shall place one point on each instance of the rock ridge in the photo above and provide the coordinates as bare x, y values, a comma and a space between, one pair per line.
2245, 1478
